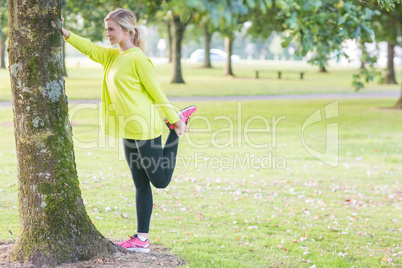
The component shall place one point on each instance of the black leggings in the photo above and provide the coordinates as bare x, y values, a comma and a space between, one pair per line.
149, 162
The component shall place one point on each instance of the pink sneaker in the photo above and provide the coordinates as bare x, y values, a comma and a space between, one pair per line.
135, 244
184, 115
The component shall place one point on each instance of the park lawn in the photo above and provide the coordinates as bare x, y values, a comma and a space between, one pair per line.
292, 211
85, 82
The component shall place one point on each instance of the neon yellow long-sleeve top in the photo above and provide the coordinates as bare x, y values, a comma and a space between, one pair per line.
130, 91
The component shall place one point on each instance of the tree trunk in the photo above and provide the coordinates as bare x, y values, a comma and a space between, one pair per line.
228, 50
398, 105
208, 37
323, 69
53, 225
2, 53
390, 75
64, 60
178, 33
170, 40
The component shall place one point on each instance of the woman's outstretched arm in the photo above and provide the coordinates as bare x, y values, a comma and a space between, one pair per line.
94, 52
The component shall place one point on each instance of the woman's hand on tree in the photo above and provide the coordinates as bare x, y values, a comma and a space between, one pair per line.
66, 33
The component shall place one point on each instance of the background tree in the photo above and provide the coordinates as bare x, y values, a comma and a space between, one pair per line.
180, 14
208, 20
321, 27
54, 227
233, 15
164, 27
231, 22
3, 32
177, 14
208, 32
394, 10
390, 74
331, 22
170, 40
385, 30
396, 15
266, 26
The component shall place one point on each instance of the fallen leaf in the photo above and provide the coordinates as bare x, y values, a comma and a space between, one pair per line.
281, 248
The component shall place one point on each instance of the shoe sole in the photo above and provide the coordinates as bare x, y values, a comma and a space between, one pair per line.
182, 111
188, 108
142, 250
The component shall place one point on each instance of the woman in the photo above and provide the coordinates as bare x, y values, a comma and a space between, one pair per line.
129, 93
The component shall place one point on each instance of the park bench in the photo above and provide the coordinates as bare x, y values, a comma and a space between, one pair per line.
257, 73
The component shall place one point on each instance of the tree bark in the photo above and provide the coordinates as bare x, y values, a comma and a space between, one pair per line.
208, 37
228, 50
2, 54
178, 33
170, 40
323, 69
64, 60
54, 227
390, 75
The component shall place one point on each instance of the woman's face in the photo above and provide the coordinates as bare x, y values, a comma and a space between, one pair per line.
113, 32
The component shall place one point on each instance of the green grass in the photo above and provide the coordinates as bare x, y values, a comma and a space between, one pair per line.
232, 216
85, 82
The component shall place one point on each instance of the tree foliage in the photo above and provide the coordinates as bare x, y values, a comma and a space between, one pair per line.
321, 27
316, 26
387, 26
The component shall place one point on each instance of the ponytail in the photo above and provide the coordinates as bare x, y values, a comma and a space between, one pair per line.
138, 37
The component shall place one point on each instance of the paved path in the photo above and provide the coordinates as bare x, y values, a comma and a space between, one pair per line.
331, 96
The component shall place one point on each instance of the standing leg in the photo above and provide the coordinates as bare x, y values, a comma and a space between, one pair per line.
143, 195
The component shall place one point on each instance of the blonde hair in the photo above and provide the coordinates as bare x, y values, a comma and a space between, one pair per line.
127, 21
